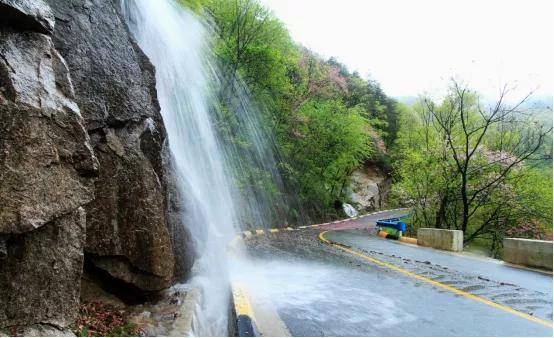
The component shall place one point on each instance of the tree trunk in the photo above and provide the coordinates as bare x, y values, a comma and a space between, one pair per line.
465, 203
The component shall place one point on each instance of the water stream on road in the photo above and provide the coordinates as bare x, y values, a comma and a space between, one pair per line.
316, 298
208, 162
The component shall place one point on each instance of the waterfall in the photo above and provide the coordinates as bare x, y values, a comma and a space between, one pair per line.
214, 171
349, 210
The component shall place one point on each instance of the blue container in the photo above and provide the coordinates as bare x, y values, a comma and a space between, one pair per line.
392, 223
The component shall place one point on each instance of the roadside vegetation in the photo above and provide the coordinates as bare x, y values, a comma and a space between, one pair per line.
460, 164
326, 120
484, 169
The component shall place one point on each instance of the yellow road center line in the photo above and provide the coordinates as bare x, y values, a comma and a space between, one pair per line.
259, 232
314, 226
438, 284
304, 227
289, 228
273, 230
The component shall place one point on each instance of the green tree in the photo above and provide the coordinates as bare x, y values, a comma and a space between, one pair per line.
291, 85
461, 164
327, 144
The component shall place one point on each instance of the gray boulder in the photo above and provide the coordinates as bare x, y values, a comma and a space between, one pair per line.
369, 187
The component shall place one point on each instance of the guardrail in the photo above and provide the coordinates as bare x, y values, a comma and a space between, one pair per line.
528, 252
444, 239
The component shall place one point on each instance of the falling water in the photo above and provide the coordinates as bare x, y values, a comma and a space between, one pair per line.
217, 174
349, 210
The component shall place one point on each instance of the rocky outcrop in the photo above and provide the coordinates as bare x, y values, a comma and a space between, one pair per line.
27, 15
40, 280
85, 174
46, 170
130, 231
369, 188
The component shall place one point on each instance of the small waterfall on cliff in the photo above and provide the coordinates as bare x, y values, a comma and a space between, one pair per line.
349, 210
215, 172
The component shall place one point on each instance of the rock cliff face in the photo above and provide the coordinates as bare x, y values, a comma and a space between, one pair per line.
29, 15
46, 164
85, 172
369, 188
127, 234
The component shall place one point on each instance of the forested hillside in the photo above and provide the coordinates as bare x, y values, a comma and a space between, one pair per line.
461, 164
326, 120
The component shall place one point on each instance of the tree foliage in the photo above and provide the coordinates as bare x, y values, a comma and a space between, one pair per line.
460, 165
327, 143
326, 120
468, 167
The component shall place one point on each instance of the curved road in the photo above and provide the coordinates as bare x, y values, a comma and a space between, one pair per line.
317, 289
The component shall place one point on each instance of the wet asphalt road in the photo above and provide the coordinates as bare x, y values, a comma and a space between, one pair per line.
319, 290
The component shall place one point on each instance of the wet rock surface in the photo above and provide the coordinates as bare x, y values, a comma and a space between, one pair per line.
46, 174
84, 167
40, 330
46, 159
31, 15
172, 315
40, 275
130, 231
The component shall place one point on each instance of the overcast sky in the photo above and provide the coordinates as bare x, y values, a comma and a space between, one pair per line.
414, 46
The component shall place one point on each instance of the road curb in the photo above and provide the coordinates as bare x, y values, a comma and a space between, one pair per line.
409, 240
244, 316
246, 234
